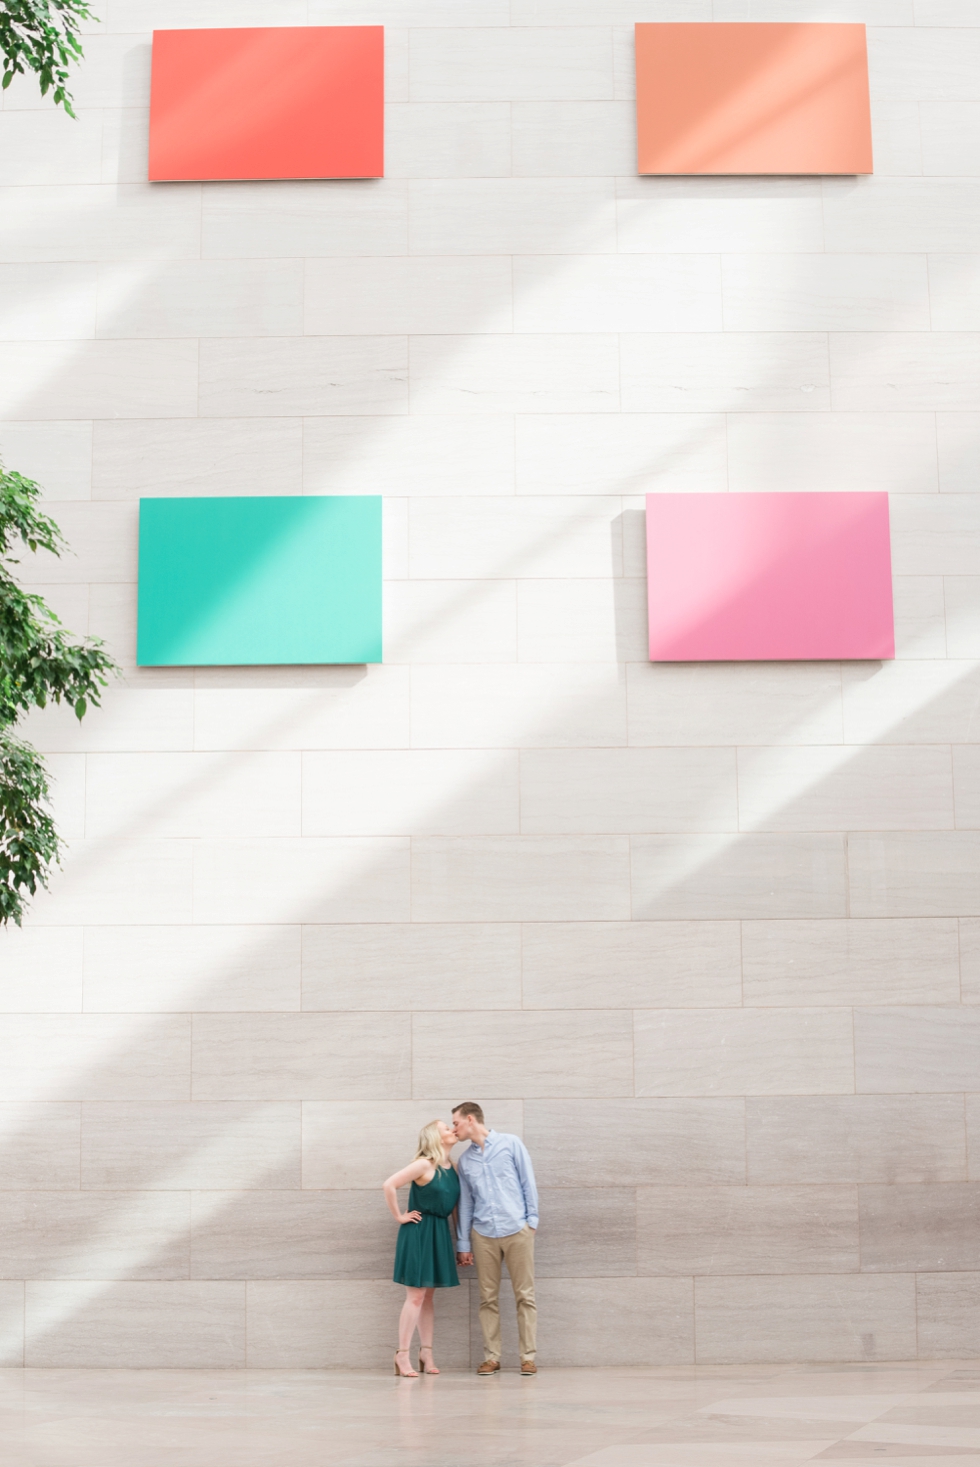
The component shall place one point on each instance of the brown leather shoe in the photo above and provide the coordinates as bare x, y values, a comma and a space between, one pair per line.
528, 1367
489, 1367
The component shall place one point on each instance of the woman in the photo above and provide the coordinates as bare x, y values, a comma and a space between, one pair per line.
425, 1256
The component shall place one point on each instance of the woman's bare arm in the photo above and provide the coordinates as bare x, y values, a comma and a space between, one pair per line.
410, 1173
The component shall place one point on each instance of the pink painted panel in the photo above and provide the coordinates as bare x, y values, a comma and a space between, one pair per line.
769, 577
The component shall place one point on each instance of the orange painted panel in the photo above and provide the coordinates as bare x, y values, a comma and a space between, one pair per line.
752, 98
271, 102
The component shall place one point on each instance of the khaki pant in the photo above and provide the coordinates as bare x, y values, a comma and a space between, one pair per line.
488, 1255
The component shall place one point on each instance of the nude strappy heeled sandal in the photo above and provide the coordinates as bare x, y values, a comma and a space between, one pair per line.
427, 1369
409, 1374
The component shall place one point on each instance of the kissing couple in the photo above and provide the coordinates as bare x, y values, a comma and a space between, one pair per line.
491, 1201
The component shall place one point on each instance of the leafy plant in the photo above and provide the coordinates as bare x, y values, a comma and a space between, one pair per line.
40, 662
42, 36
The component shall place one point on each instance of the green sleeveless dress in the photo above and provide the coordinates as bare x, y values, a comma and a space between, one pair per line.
425, 1257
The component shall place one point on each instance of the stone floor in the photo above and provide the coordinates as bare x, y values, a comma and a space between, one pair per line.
913, 1415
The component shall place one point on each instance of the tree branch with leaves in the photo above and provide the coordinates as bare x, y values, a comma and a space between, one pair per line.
40, 663
42, 36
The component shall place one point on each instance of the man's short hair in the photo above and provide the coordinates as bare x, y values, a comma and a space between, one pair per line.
470, 1108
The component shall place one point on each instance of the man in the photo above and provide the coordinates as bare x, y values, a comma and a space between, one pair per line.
498, 1218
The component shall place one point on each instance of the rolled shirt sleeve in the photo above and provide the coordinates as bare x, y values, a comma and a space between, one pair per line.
525, 1173
464, 1219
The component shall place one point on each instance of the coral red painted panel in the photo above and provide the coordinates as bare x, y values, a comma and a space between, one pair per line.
752, 98
272, 102
769, 577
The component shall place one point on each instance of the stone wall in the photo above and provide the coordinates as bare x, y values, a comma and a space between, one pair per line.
708, 936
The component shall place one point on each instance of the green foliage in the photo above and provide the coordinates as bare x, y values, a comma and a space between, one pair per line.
28, 840
40, 663
42, 36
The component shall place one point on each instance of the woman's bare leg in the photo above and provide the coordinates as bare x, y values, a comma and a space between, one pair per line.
407, 1321
427, 1324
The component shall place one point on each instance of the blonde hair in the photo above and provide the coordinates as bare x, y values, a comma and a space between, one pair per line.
430, 1145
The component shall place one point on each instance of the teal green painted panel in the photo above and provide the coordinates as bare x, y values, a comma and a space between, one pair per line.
254, 581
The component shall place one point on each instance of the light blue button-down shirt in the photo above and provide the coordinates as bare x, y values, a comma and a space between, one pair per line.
497, 1191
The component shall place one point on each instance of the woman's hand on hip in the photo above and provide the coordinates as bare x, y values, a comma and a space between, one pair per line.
407, 1217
